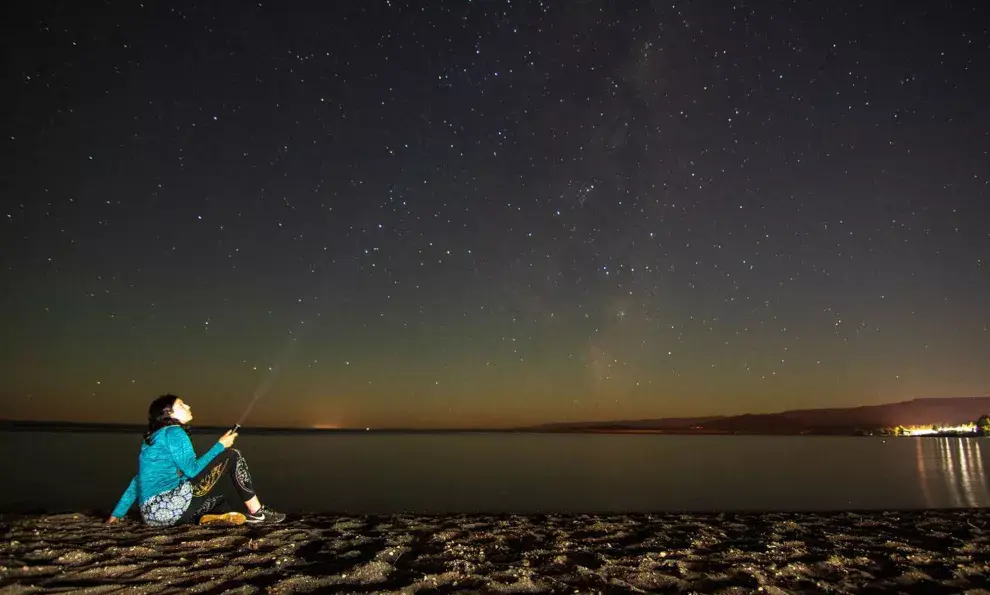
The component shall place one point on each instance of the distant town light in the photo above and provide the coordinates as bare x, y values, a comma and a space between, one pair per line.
927, 431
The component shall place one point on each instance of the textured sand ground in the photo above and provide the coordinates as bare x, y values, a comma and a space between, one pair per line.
925, 552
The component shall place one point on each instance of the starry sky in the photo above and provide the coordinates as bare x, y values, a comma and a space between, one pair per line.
491, 213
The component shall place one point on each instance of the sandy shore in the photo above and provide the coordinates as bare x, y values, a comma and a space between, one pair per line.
909, 552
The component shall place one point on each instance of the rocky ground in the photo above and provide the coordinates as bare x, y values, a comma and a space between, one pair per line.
925, 552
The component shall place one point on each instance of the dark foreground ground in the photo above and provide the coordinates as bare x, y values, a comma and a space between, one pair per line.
925, 552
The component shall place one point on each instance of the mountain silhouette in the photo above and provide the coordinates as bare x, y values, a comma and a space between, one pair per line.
921, 411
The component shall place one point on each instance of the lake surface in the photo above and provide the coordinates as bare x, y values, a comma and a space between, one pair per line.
525, 473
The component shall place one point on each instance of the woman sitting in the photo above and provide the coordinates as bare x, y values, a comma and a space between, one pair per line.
174, 487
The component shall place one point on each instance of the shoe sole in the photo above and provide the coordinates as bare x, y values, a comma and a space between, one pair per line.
229, 518
265, 521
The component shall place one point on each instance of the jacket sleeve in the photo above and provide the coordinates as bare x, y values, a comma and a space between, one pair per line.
126, 500
181, 448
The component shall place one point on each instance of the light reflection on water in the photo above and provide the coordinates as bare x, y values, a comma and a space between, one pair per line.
951, 472
528, 473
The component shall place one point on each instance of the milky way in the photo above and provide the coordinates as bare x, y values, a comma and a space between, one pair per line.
492, 213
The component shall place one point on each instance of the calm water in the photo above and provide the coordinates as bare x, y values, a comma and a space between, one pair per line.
436, 473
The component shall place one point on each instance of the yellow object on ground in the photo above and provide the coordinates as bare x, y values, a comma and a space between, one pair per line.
228, 518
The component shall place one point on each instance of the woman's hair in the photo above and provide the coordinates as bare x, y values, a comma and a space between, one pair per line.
160, 415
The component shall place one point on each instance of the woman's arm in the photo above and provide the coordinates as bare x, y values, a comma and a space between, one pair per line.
183, 454
125, 502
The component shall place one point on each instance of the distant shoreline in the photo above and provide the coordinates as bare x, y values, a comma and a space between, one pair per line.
113, 428
948, 414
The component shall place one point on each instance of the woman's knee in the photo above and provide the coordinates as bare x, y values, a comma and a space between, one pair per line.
228, 457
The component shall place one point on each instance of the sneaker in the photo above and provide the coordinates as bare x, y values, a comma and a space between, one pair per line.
265, 516
228, 518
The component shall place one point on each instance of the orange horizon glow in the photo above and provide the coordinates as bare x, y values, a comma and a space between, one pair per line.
338, 412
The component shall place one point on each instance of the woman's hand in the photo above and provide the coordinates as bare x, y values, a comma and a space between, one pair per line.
228, 439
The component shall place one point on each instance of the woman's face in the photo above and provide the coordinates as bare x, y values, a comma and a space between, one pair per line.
181, 412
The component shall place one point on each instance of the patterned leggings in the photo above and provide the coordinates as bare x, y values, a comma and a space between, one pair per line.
223, 486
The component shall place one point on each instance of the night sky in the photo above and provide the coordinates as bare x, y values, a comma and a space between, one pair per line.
436, 214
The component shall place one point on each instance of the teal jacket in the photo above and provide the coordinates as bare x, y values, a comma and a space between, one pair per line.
163, 465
